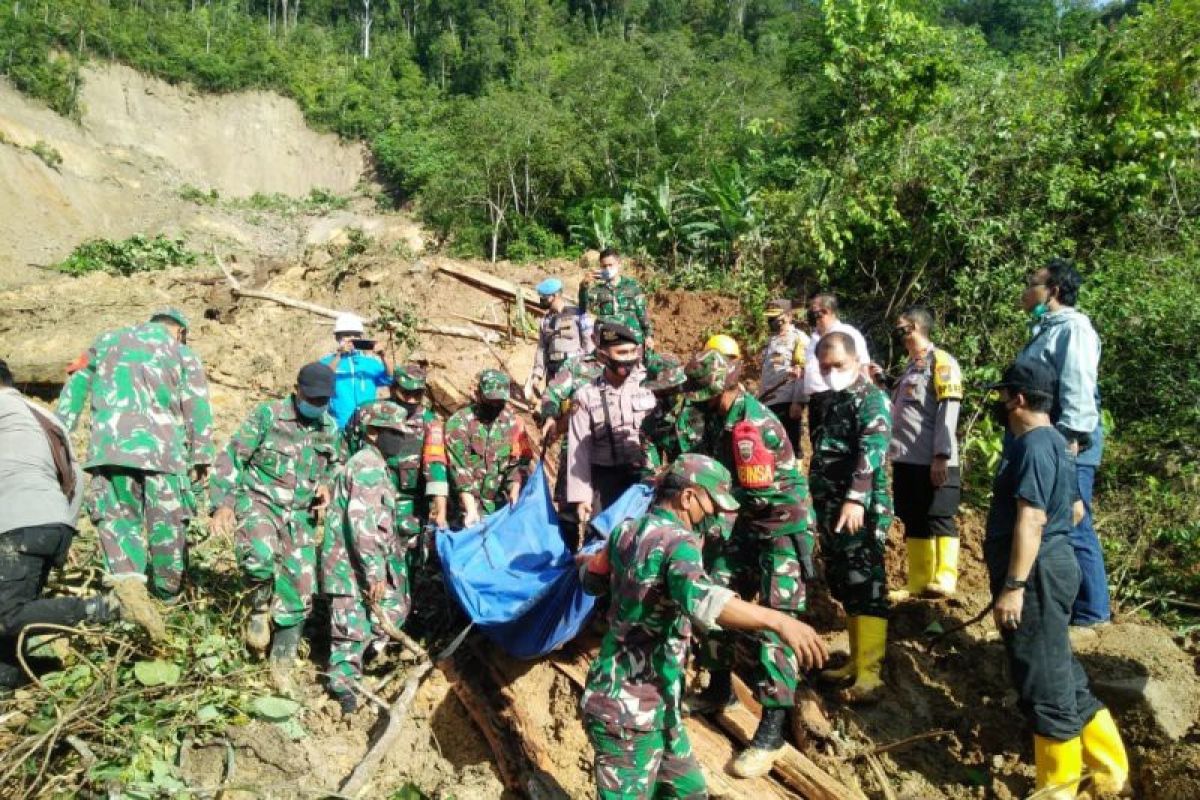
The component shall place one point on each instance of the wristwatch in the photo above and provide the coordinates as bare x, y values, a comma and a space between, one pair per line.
1012, 583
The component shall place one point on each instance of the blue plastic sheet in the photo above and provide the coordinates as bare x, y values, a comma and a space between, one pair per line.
513, 576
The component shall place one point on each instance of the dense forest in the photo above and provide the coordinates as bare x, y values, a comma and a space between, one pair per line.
898, 152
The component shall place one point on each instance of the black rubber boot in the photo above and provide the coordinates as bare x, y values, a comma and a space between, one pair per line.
348, 703
284, 646
769, 735
756, 760
714, 698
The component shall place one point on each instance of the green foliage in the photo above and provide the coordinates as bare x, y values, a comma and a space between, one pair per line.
194, 194
135, 254
47, 153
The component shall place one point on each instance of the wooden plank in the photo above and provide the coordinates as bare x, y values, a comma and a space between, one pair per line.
493, 285
508, 757
715, 752
796, 769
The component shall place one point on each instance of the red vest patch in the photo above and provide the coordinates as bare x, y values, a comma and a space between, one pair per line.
753, 462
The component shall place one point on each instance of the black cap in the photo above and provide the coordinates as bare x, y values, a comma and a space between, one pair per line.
611, 333
315, 381
1029, 376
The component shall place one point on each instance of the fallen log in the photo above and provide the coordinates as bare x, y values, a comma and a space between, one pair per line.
492, 285
486, 720
496, 326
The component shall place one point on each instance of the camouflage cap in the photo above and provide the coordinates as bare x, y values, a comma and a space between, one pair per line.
494, 385
171, 313
410, 377
708, 374
710, 475
384, 414
664, 372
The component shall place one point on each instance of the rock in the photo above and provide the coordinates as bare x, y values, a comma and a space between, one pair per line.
1170, 707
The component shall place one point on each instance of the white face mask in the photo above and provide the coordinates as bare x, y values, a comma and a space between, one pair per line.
840, 379
608, 273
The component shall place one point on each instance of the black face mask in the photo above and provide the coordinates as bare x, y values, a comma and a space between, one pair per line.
999, 411
389, 442
488, 411
775, 324
544, 302
900, 334
409, 408
813, 318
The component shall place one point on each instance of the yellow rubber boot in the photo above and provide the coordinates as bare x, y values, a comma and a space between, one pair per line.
1059, 765
1104, 753
872, 644
849, 669
921, 555
945, 572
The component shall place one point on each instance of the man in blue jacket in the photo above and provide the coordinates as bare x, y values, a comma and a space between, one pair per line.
359, 372
1064, 339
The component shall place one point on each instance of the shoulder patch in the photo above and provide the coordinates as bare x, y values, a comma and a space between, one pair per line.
947, 377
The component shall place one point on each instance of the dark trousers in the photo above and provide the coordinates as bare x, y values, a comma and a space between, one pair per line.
926, 511
791, 426
1052, 688
26, 557
609, 483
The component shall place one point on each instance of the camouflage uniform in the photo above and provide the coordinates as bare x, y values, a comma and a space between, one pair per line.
631, 706
151, 423
622, 301
487, 458
848, 464
268, 475
770, 550
675, 425
366, 542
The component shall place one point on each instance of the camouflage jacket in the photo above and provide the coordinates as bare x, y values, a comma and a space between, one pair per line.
276, 458
658, 590
420, 469
149, 401
360, 526
718, 443
624, 301
670, 431
850, 444
485, 459
578, 371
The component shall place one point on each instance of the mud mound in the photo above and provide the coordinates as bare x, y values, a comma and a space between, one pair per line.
683, 320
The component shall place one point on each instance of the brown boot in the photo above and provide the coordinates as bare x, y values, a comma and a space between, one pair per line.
138, 608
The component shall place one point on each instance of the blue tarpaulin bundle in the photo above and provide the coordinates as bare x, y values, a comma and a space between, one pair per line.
513, 576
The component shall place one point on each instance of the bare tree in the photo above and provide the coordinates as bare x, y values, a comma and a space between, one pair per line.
367, 20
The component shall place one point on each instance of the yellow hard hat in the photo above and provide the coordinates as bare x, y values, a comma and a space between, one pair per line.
725, 345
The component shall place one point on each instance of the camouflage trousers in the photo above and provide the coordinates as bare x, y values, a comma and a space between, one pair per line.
352, 625
769, 554
641, 765
278, 547
142, 518
854, 561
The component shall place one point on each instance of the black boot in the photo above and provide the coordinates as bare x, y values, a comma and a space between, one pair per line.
284, 646
756, 760
714, 698
258, 627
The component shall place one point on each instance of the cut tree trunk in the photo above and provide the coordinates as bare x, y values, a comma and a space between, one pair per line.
492, 285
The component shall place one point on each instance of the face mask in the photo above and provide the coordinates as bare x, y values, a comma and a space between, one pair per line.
840, 379
488, 411
622, 368
775, 324
1037, 312
901, 334
409, 408
389, 442
309, 410
999, 412
608, 273
813, 318
544, 302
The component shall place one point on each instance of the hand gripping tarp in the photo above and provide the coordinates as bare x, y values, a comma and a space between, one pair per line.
513, 576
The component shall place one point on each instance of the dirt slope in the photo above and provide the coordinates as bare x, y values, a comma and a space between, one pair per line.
139, 142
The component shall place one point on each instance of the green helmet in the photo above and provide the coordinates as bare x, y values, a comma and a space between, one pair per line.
385, 414
710, 475
708, 374
171, 313
664, 372
409, 377
494, 385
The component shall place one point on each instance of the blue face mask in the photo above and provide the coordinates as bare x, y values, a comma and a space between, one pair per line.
308, 410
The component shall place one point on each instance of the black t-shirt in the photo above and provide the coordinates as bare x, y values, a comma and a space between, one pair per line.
1038, 469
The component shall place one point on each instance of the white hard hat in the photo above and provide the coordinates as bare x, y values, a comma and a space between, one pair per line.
346, 322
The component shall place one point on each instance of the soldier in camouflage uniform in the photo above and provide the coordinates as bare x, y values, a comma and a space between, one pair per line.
487, 449
151, 424
364, 566
770, 548
552, 415
662, 439
269, 482
652, 570
619, 298
854, 506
